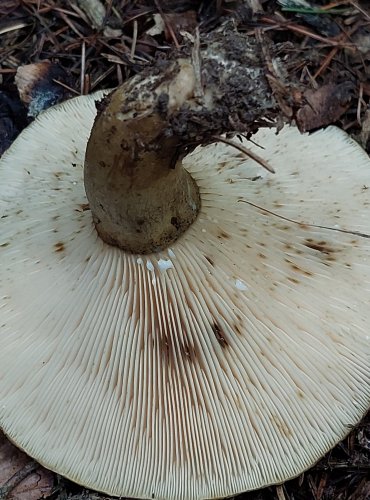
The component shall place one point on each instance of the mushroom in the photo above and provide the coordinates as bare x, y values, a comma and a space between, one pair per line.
196, 326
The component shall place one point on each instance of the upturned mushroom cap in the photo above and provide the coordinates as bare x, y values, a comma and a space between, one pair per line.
232, 360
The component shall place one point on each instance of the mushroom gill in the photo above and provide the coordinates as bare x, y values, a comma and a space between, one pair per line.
230, 360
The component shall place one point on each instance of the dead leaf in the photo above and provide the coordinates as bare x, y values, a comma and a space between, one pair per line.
324, 105
13, 463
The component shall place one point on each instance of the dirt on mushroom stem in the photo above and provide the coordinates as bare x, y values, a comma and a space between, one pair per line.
141, 198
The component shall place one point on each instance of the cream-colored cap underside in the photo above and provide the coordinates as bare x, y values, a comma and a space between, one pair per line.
232, 360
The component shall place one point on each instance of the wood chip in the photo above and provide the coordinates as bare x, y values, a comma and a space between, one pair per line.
324, 105
20, 477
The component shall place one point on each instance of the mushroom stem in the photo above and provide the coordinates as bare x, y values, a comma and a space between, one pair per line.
141, 197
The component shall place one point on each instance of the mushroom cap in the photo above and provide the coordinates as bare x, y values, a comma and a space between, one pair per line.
233, 360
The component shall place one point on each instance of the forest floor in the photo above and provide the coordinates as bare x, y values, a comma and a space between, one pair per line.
79, 46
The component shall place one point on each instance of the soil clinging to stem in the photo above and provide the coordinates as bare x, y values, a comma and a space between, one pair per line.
141, 198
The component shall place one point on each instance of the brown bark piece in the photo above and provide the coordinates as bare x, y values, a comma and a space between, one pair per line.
20, 477
324, 105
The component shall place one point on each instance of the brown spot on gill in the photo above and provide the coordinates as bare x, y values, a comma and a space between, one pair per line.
223, 235
294, 280
209, 260
238, 317
59, 247
300, 394
176, 356
281, 425
298, 269
320, 246
219, 334
174, 343
237, 329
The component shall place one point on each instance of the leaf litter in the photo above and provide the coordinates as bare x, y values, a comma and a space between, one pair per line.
51, 50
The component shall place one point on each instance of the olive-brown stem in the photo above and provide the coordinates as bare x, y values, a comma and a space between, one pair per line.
140, 196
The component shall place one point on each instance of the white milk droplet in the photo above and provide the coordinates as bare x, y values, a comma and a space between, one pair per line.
164, 264
149, 266
240, 285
